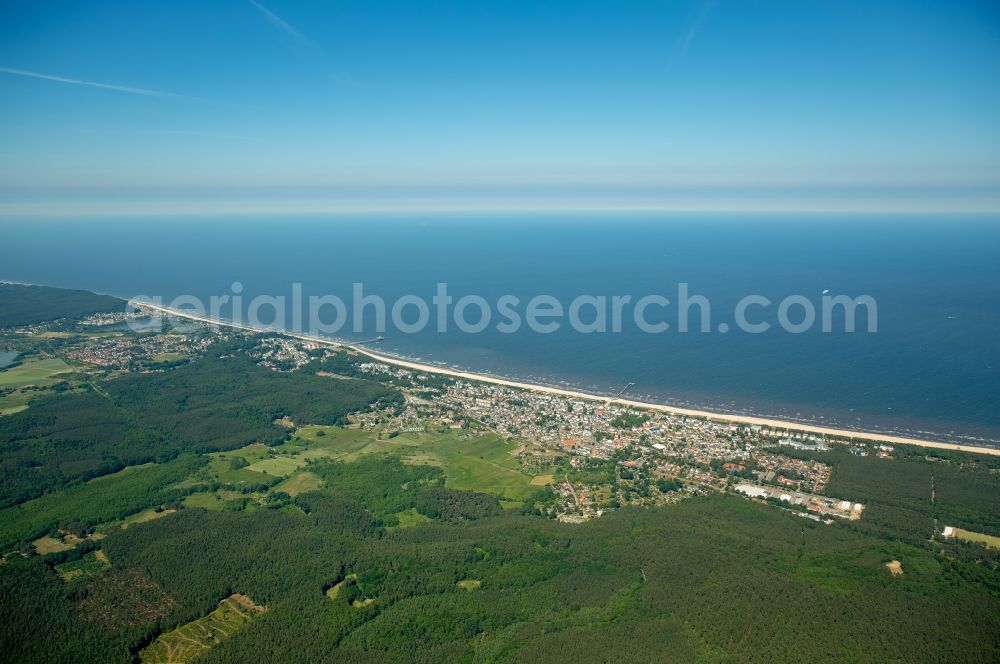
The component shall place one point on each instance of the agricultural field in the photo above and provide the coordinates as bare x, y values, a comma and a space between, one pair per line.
190, 641
15, 401
990, 541
300, 483
542, 480
34, 372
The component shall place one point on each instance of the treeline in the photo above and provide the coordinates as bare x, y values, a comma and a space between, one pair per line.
29, 305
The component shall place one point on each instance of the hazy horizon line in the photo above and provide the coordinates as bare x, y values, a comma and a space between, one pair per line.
341, 206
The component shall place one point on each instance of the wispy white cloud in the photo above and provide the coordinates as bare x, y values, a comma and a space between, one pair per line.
285, 27
93, 84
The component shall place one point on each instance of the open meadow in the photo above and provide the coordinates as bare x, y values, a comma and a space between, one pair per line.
34, 372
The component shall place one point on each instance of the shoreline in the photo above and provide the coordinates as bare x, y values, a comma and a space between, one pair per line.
576, 394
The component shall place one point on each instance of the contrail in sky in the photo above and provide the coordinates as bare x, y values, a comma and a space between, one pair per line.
283, 25
94, 84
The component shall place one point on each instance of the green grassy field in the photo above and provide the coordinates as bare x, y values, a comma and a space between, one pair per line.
60, 542
242, 476
469, 584
19, 398
58, 335
167, 357
409, 518
280, 466
334, 590
300, 483
483, 463
34, 372
190, 641
14, 402
144, 516
218, 500
263, 465
205, 500
330, 442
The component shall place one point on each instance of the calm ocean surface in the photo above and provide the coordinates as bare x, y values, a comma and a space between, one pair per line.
933, 367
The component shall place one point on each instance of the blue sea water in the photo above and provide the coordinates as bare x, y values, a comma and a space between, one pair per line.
932, 368
7, 357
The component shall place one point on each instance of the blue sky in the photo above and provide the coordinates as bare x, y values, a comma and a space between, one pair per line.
640, 103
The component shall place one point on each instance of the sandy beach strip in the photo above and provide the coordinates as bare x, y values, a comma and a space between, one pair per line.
670, 410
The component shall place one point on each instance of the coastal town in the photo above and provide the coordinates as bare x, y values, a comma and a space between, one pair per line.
647, 458
587, 456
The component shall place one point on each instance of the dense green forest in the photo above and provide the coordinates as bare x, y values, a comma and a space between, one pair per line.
909, 495
213, 403
711, 579
28, 305
78, 508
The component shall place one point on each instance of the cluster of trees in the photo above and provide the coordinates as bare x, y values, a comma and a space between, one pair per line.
629, 420
669, 485
455, 506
